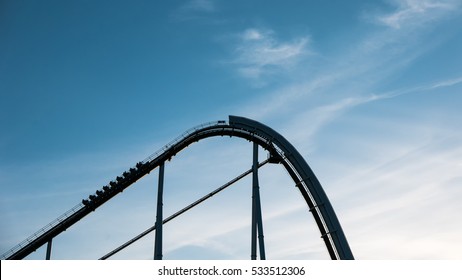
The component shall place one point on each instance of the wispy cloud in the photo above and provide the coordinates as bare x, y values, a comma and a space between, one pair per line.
195, 9
259, 53
353, 75
201, 5
446, 83
414, 12
421, 88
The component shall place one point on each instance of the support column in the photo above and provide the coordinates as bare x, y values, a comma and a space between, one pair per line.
257, 221
159, 215
261, 241
48, 256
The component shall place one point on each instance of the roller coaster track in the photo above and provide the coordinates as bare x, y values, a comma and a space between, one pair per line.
280, 150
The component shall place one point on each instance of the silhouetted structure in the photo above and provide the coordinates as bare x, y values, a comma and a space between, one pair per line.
280, 152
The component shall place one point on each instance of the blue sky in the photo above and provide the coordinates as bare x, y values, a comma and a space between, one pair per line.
369, 92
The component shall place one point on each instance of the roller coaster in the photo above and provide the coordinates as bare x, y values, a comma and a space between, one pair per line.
280, 152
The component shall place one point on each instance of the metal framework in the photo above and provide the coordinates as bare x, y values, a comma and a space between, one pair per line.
280, 150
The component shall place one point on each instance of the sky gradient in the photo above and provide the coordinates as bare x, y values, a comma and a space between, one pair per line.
369, 92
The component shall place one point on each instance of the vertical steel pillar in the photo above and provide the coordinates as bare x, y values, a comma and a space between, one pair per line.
48, 256
159, 215
261, 241
257, 221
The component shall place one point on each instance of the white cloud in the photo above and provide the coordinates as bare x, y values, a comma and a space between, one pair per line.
351, 74
258, 54
200, 6
410, 12
421, 89
252, 34
195, 9
446, 83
